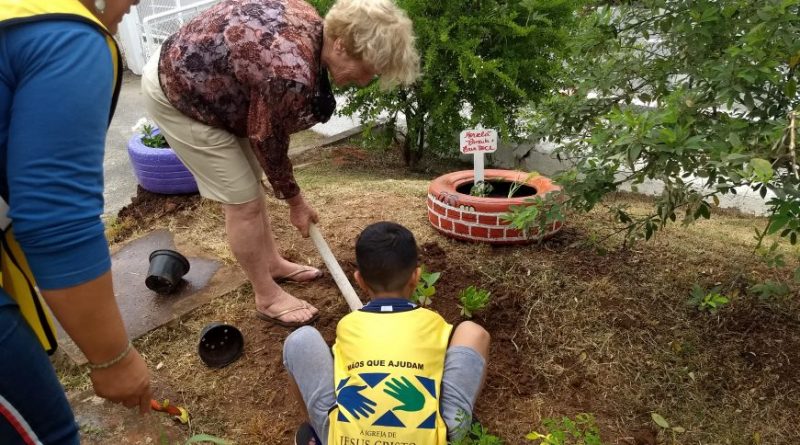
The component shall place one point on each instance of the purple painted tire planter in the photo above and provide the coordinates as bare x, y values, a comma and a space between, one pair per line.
159, 170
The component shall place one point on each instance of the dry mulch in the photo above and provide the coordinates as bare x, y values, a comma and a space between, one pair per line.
575, 328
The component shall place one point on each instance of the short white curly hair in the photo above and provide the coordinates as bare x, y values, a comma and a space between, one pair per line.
379, 33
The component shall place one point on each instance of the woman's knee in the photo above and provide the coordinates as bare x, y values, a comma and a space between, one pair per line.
245, 211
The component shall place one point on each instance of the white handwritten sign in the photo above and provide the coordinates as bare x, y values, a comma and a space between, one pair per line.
478, 141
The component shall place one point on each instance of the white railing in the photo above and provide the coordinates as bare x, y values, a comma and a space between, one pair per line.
156, 28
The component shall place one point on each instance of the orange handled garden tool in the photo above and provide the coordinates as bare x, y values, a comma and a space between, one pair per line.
179, 413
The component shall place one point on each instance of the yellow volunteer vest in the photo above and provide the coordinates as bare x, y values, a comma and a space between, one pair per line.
388, 370
15, 275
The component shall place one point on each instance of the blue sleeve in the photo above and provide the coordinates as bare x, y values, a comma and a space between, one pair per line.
62, 87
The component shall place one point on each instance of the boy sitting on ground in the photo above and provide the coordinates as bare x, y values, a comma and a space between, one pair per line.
397, 375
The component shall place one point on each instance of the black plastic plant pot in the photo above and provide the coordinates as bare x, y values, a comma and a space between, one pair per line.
167, 267
220, 345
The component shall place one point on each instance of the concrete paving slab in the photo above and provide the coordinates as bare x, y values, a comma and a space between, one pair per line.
142, 309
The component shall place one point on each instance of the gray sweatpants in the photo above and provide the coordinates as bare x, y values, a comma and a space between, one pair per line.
310, 363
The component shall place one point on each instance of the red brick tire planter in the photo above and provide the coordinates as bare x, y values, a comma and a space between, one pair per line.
473, 218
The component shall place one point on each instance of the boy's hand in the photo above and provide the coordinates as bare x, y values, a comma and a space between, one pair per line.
406, 393
350, 398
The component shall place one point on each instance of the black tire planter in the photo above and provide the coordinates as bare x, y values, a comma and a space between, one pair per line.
159, 170
472, 218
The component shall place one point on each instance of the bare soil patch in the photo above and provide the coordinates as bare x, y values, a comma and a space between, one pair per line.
575, 328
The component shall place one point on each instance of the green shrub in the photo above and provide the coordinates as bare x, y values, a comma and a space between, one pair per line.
488, 56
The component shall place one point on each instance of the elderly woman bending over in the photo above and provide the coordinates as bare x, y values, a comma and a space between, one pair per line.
230, 87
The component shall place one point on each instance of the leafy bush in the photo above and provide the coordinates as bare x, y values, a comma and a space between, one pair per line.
539, 212
488, 57
701, 95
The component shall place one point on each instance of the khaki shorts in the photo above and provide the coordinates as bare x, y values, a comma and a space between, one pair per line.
224, 165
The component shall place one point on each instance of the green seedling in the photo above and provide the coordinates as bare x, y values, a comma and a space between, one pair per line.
662, 423
581, 431
423, 294
474, 434
516, 185
481, 189
707, 301
473, 300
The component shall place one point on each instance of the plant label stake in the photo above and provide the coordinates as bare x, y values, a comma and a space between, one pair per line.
477, 142
336, 271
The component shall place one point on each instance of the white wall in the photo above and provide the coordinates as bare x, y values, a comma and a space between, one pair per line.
530, 156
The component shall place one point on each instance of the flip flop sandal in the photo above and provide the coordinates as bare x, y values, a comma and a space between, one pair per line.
275, 319
306, 436
290, 277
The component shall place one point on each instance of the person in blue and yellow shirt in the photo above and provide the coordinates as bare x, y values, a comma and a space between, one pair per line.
59, 80
399, 373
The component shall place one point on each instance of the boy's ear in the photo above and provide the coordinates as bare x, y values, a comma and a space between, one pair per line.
360, 281
414, 279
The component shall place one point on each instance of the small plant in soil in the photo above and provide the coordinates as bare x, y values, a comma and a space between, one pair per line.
770, 289
473, 300
710, 301
481, 189
581, 431
662, 423
516, 185
149, 136
423, 294
475, 433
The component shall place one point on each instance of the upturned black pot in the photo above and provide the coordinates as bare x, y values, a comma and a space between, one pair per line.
220, 344
167, 268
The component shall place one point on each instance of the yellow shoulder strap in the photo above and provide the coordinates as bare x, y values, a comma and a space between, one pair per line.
21, 11
17, 280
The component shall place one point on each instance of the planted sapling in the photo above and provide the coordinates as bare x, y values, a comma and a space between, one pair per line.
710, 301
481, 189
423, 294
473, 300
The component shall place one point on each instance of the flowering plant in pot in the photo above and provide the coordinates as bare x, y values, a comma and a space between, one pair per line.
156, 166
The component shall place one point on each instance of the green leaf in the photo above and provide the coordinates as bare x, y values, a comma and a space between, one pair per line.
797, 275
705, 212
734, 140
659, 420
791, 88
777, 223
762, 169
633, 154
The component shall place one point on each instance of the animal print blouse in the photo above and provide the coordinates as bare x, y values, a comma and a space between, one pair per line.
252, 67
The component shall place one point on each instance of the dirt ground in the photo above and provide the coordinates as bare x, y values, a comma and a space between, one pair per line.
575, 328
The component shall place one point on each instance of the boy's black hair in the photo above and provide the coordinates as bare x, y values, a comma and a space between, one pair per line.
386, 254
